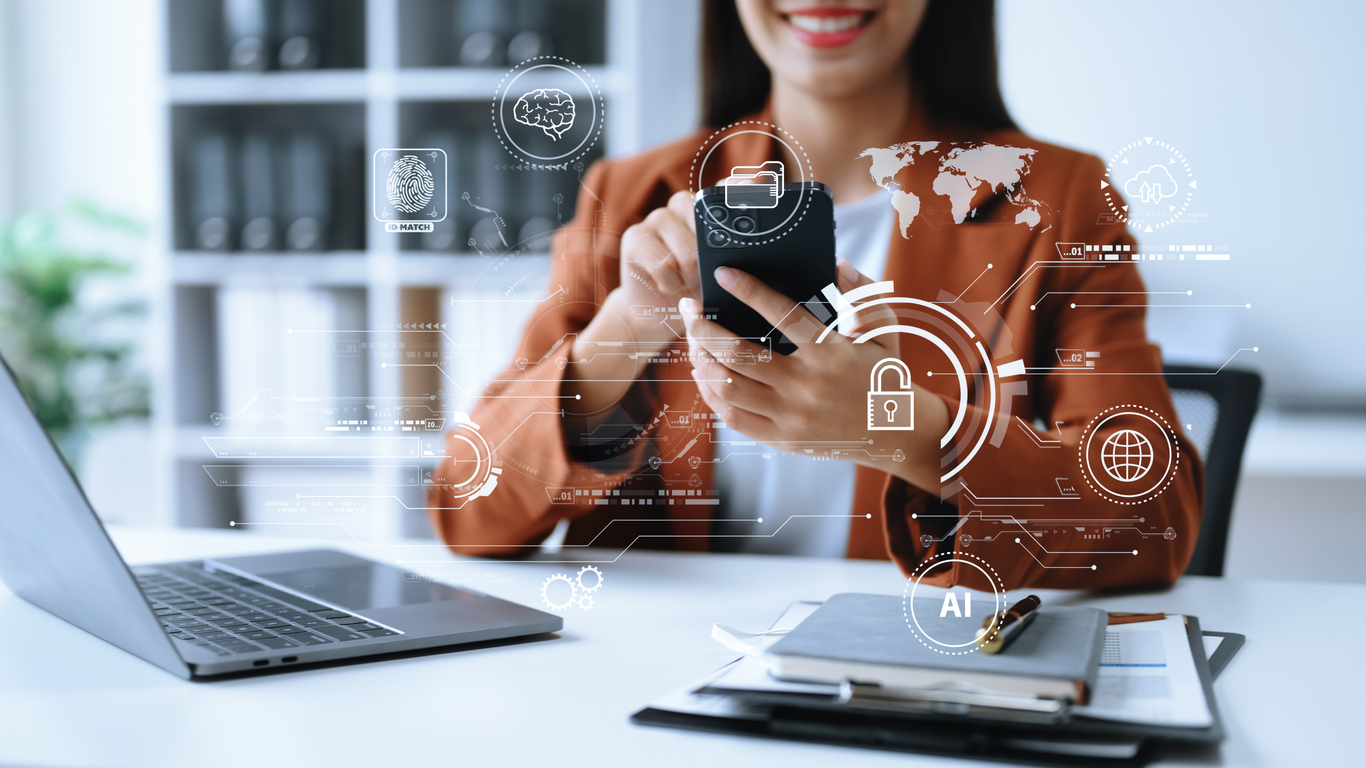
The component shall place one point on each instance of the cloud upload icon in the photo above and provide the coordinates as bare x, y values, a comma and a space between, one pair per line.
1151, 186
549, 109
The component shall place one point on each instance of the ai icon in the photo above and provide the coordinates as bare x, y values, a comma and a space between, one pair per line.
951, 604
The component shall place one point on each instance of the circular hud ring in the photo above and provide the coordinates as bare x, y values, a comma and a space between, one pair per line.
1129, 454
473, 472
1156, 181
547, 112
707, 170
966, 352
964, 640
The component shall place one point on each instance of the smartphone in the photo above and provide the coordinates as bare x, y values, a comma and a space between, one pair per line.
782, 234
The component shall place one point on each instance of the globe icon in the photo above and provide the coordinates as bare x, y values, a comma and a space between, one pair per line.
1126, 455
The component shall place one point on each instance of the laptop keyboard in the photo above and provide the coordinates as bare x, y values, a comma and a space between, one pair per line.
227, 614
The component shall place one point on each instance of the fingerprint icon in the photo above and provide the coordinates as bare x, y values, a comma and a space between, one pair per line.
410, 185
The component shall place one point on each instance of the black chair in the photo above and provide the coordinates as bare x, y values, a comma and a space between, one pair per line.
1219, 406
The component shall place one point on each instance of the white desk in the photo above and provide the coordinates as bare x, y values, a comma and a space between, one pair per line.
67, 698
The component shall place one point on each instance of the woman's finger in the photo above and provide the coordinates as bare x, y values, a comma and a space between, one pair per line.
785, 315
682, 243
731, 350
745, 422
858, 322
737, 389
681, 203
849, 276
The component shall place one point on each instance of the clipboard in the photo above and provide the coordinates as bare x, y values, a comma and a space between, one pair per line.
1232, 641
809, 719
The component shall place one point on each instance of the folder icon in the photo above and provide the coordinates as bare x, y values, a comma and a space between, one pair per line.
755, 186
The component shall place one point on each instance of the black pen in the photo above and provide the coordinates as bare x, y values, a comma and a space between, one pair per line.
999, 629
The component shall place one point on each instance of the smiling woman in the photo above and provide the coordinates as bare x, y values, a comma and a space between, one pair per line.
952, 57
630, 395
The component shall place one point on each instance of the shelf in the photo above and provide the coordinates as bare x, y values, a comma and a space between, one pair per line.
470, 84
268, 87
389, 73
428, 84
449, 269
338, 268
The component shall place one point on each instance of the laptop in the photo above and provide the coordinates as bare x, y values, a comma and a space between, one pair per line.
202, 619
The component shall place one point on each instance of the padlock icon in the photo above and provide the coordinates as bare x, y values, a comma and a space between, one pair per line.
891, 409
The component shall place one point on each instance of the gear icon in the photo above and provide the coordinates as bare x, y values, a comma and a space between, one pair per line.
585, 602
545, 594
596, 582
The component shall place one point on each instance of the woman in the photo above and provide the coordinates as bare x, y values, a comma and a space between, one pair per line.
630, 412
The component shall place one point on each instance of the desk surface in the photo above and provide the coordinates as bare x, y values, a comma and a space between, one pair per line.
68, 698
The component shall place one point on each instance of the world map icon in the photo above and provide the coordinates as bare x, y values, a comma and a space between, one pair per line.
1127, 455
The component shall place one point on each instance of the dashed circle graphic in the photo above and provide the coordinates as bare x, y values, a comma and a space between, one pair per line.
948, 558
410, 184
1095, 483
470, 477
1135, 179
789, 142
568, 109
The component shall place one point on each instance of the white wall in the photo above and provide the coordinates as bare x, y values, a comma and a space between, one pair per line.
84, 108
79, 120
1265, 100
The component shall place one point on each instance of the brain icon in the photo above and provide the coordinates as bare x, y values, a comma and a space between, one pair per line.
410, 185
549, 109
1152, 185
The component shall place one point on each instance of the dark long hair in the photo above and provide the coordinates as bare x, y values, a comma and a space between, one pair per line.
952, 61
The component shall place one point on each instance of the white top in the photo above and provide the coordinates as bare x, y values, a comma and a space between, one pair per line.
756, 481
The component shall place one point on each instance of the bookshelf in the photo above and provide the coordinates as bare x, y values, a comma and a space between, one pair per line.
389, 72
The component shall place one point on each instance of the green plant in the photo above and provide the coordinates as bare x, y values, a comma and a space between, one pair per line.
74, 355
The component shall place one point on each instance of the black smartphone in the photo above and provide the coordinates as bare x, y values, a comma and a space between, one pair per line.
782, 234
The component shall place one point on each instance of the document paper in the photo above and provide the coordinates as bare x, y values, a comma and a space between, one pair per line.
1147, 675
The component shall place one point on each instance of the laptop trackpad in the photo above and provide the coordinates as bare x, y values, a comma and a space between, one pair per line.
363, 586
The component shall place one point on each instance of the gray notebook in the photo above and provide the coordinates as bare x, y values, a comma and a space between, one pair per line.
866, 639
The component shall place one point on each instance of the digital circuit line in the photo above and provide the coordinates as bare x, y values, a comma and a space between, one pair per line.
1034, 267
1038, 440
603, 561
959, 297
1046, 294
1068, 552
1055, 567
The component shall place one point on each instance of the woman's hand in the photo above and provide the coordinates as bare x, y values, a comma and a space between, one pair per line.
815, 398
658, 268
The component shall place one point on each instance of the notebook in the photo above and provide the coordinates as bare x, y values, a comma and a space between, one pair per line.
866, 639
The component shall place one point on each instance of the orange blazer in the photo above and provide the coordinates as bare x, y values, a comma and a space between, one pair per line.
616, 499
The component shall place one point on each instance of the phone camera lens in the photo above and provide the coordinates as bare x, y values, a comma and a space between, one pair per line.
717, 239
718, 214
743, 224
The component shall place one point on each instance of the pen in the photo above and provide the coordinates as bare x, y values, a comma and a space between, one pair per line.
1012, 623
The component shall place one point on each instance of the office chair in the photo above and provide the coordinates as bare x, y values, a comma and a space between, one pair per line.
1219, 406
